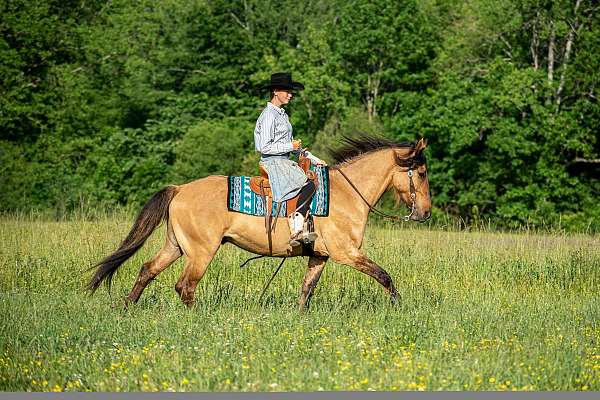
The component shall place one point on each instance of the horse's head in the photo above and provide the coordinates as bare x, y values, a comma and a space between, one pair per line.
411, 183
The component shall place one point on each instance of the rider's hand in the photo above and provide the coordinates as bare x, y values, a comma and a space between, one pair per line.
297, 144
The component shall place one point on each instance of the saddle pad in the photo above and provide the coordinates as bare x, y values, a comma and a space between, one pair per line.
241, 198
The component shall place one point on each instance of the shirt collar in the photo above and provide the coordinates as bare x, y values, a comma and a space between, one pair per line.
280, 110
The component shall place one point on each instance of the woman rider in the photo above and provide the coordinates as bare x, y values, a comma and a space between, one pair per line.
274, 141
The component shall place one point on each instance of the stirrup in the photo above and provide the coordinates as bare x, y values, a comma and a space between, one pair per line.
308, 232
309, 237
295, 241
303, 238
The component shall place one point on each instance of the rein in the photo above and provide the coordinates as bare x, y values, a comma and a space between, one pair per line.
413, 196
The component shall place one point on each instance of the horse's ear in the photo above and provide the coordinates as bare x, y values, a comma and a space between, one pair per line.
421, 145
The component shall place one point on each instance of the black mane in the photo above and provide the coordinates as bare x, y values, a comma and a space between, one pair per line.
359, 145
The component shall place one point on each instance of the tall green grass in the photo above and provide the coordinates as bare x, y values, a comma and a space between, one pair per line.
479, 311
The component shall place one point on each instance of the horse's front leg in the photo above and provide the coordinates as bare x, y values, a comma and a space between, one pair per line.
359, 261
313, 273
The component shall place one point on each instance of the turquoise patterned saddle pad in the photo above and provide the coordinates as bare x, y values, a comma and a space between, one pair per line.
241, 198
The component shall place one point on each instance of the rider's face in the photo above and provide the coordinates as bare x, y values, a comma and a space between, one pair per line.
282, 96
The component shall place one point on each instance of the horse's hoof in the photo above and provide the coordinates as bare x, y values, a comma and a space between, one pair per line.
126, 303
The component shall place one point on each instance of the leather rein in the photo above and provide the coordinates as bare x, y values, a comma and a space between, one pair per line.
413, 195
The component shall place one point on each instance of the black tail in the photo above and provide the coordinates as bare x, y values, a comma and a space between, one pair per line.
154, 212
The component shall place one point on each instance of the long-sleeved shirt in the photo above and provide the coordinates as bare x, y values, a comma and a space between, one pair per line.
273, 139
273, 134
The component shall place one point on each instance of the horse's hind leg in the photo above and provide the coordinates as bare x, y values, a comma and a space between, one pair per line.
165, 257
313, 273
196, 265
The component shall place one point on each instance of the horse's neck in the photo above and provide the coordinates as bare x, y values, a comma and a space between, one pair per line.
371, 174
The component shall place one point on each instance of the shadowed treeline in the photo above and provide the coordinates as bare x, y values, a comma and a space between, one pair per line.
103, 103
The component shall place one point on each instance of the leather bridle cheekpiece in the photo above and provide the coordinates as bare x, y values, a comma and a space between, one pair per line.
411, 163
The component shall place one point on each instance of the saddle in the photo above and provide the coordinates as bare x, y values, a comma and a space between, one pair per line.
261, 186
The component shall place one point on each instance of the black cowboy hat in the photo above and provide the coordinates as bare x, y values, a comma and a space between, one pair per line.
283, 80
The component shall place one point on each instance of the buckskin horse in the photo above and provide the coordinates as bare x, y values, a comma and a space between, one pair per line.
198, 220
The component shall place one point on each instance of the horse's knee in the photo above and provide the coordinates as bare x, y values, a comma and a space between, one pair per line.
371, 268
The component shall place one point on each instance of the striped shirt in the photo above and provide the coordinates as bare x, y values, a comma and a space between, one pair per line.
273, 132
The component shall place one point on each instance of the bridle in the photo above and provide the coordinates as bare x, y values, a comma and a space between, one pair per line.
409, 163
413, 194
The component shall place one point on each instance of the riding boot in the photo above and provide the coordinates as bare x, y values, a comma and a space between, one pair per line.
296, 222
299, 233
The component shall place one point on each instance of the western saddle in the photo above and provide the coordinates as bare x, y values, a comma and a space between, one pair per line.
261, 186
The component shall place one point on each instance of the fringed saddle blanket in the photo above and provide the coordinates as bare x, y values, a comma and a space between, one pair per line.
242, 199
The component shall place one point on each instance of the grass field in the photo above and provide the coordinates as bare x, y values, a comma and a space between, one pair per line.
479, 311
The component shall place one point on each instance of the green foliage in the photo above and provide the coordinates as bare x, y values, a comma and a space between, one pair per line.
214, 147
35, 37
104, 103
496, 148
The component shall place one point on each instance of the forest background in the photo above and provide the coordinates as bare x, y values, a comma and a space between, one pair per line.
102, 103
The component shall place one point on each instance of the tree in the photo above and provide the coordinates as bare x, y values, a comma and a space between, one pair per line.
384, 47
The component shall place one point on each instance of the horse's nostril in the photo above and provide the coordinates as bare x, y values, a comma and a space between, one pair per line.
427, 214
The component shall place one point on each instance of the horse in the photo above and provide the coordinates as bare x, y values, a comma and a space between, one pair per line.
198, 221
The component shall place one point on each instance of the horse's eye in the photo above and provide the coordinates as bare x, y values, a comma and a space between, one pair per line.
423, 174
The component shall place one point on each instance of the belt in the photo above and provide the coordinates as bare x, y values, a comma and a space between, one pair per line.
265, 157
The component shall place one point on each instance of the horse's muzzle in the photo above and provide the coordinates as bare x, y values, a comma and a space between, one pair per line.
421, 217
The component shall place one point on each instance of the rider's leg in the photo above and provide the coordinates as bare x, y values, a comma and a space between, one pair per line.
297, 220
305, 198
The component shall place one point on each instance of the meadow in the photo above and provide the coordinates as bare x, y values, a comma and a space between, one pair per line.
479, 311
